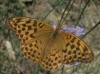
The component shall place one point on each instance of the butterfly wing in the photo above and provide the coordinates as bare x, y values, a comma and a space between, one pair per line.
28, 30
66, 49
53, 58
35, 50
74, 49
33, 35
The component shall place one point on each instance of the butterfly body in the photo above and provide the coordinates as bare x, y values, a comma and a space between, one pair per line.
49, 47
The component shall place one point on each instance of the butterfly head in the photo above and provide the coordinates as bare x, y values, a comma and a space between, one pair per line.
56, 31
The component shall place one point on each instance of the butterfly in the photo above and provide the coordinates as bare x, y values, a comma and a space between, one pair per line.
50, 47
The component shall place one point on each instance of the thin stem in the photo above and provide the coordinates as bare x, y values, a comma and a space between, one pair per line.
64, 13
38, 69
82, 12
91, 29
68, 12
52, 9
62, 70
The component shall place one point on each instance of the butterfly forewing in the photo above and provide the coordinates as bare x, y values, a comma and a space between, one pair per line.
28, 29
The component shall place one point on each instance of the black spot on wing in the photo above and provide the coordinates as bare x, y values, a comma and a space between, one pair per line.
72, 41
21, 35
15, 24
26, 33
29, 27
28, 21
19, 31
64, 50
31, 35
23, 29
18, 19
72, 46
69, 52
24, 25
35, 23
78, 43
67, 44
36, 46
41, 24
35, 30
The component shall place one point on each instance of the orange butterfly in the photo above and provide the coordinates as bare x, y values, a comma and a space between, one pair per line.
48, 46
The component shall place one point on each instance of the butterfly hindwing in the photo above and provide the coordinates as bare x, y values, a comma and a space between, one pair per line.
76, 50
35, 49
52, 59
